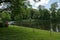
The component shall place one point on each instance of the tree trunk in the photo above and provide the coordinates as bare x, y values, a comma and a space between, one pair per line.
51, 29
57, 28
6, 23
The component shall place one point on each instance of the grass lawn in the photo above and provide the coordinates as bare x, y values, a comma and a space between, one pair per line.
23, 33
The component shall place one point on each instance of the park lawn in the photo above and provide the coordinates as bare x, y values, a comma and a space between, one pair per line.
24, 33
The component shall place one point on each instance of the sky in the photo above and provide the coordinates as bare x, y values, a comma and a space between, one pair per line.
5, 5
45, 3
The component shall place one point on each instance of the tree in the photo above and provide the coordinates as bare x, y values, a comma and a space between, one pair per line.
4, 14
53, 10
58, 20
46, 14
53, 16
58, 15
5, 18
44, 17
41, 8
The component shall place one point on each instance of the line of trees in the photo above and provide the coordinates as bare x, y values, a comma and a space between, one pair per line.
41, 18
23, 13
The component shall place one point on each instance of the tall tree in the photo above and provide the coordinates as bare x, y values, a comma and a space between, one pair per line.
58, 15
52, 16
53, 10
41, 8
17, 8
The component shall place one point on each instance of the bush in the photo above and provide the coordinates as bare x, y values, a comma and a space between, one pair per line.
4, 18
3, 23
35, 23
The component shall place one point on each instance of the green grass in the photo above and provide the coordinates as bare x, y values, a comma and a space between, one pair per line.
24, 33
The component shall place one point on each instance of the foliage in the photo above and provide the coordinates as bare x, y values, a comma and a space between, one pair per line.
22, 11
5, 16
58, 16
